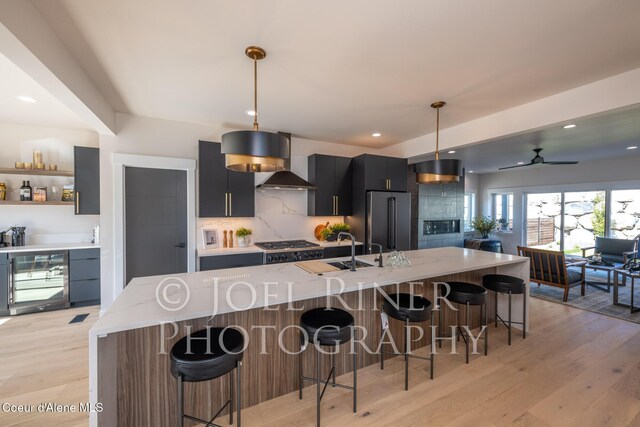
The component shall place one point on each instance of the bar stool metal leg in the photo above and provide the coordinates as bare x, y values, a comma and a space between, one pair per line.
485, 308
433, 353
180, 402
355, 374
239, 395
509, 317
524, 315
466, 341
317, 388
300, 374
231, 398
406, 355
333, 364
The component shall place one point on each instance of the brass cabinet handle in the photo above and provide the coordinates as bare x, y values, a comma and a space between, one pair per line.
389, 184
226, 204
77, 202
230, 205
337, 205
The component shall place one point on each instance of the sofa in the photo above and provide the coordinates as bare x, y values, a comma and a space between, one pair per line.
614, 250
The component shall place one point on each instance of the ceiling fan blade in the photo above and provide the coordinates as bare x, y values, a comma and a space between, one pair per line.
560, 163
515, 166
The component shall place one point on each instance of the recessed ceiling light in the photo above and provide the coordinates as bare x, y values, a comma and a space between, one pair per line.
633, 147
376, 134
451, 151
24, 98
569, 126
520, 163
251, 113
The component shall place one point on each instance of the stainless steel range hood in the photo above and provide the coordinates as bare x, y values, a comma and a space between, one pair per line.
286, 180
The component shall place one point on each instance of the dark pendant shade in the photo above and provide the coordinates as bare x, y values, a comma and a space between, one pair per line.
438, 171
255, 151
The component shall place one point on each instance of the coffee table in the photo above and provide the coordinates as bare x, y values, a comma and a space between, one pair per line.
603, 267
631, 275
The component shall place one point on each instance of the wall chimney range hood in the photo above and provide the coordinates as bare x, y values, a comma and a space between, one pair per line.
286, 180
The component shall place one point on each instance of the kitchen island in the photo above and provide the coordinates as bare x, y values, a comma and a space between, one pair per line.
129, 344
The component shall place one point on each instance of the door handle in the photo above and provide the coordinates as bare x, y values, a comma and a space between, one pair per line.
337, 205
226, 204
11, 281
333, 205
77, 202
230, 205
179, 245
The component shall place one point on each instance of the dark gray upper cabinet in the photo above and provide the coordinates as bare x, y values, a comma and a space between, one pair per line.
384, 173
332, 177
222, 193
86, 169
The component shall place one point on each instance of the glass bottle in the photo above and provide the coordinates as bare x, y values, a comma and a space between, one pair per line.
28, 192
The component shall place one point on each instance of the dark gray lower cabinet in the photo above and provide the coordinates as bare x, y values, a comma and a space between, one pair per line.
341, 251
4, 285
84, 276
218, 262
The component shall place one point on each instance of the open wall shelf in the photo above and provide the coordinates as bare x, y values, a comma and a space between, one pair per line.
18, 202
33, 172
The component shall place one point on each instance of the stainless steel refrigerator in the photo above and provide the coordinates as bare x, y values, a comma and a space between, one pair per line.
388, 220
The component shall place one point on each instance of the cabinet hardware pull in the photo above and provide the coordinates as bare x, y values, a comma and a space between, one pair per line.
77, 202
226, 204
337, 205
230, 205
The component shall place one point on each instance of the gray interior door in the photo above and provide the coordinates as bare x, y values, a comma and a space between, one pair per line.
155, 222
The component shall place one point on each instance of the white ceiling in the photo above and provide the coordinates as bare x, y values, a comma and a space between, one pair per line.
602, 136
340, 70
47, 111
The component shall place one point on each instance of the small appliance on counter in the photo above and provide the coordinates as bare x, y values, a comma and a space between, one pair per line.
3, 242
18, 236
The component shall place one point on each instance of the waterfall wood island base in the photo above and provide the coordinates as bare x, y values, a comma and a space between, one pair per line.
129, 344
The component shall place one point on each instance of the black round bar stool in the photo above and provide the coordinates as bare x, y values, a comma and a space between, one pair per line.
468, 294
326, 327
510, 285
201, 357
409, 309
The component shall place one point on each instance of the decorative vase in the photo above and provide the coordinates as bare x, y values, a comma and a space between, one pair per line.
244, 241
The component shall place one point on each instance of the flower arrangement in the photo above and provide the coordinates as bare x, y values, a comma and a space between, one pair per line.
483, 225
330, 233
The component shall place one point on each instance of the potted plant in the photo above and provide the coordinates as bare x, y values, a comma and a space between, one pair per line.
503, 224
483, 225
244, 236
331, 232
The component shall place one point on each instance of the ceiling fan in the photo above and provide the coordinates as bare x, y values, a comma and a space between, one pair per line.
538, 160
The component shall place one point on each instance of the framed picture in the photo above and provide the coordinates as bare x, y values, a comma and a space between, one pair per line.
210, 238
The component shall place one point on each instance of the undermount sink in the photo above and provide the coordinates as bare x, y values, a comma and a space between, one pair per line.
346, 265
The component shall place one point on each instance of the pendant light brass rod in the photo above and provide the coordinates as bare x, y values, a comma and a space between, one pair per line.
255, 93
437, 132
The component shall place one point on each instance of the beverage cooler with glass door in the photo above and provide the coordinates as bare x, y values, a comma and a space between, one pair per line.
38, 281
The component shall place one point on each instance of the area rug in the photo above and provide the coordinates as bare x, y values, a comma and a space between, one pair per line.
595, 300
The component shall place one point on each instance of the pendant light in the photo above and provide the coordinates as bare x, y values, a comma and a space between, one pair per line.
439, 170
255, 150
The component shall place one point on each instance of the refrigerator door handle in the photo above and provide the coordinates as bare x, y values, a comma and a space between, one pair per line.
391, 222
395, 222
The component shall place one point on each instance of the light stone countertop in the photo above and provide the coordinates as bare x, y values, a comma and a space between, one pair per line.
48, 247
137, 306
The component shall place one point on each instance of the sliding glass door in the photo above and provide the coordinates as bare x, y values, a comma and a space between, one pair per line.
625, 214
584, 219
544, 220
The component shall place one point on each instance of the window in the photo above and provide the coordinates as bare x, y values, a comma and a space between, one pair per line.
503, 208
469, 210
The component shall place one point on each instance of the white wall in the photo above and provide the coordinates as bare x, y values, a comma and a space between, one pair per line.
279, 214
620, 173
45, 224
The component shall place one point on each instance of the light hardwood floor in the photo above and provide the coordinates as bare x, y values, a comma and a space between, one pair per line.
576, 368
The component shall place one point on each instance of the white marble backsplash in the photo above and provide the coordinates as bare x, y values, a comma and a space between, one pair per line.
279, 215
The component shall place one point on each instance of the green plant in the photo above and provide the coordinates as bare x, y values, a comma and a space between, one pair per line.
334, 229
483, 225
503, 221
598, 216
243, 232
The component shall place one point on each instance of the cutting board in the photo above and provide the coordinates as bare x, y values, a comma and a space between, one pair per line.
316, 267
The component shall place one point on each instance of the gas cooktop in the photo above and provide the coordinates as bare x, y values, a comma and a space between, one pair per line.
285, 245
